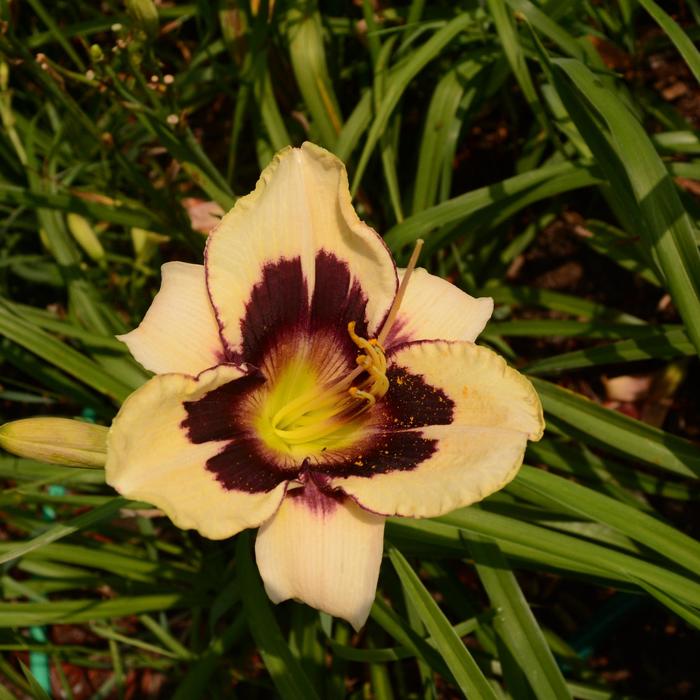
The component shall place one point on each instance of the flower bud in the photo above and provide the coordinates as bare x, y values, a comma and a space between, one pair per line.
56, 440
86, 237
146, 243
96, 53
144, 14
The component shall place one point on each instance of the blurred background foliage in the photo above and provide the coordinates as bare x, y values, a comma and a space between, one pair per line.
547, 152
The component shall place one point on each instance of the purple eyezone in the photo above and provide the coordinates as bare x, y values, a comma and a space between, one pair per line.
280, 319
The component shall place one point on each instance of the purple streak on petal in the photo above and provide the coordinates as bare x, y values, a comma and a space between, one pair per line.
338, 298
222, 356
227, 353
397, 334
319, 502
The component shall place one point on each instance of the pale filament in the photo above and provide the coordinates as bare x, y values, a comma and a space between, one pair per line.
394, 310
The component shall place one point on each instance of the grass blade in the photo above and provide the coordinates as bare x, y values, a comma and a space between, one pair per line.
60, 530
61, 355
646, 529
457, 657
667, 228
522, 189
625, 567
87, 610
515, 623
285, 671
308, 56
663, 346
682, 41
617, 431
398, 82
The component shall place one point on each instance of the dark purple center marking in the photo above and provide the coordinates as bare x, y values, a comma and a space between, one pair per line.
410, 404
387, 452
279, 312
221, 415
337, 300
279, 318
413, 403
278, 305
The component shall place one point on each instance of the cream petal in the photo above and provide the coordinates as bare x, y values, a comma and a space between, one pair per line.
323, 551
456, 426
294, 242
434, 309
179, 332
151, 457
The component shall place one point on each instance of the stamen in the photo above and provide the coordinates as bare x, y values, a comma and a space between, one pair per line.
310, 401
373, 362
319, 413
394, 310
359, 394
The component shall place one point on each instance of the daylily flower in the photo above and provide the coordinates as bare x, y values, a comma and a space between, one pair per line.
306, 386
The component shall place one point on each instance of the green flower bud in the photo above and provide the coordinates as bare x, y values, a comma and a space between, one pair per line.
86, 237
146, 243
144, 15
96, 53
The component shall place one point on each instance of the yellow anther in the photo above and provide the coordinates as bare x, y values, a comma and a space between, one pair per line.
359, 394
373, 361
363, 361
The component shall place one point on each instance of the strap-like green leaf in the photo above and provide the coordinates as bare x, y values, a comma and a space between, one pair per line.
285, 671
666, 227
623, 434
465, 670
515, 623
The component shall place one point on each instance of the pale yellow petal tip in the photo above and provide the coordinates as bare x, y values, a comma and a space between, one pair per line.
488, 303
537, 410
321, 154
308, 153
63, 441
530, 397
356, 617
327, 557
126, 337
